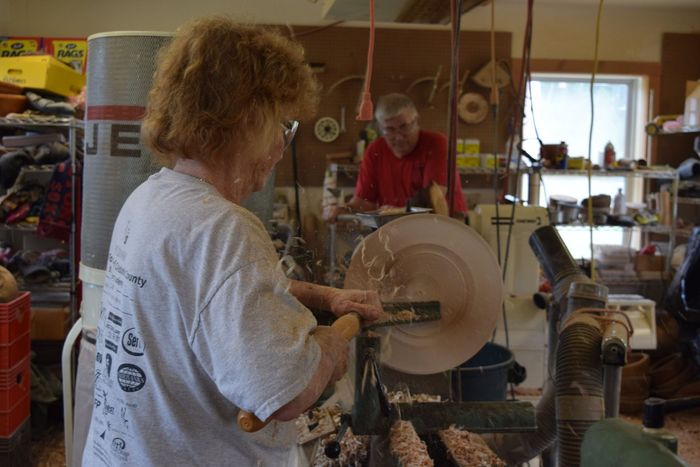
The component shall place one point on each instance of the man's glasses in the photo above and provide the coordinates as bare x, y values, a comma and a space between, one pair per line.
403, 129
289, 129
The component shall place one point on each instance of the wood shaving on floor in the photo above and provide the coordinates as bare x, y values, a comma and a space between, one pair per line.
468, 449
354, 451
316, 423
405, 445
396, 397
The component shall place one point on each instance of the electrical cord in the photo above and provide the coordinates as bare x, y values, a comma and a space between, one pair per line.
366, 111
456, 17
590, 136
295, 174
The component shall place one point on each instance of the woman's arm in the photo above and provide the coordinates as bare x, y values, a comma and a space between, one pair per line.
331, 367
364, 302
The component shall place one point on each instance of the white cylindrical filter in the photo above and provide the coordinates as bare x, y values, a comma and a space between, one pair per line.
119, 76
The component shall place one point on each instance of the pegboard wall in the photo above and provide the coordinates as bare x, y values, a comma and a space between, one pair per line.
401, 56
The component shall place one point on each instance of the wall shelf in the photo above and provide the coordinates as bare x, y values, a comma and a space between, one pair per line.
654, 172
684, 200
654, 229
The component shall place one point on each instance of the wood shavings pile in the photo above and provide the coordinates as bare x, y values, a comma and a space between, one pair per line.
354, 451
396, 397
407, 447
391, 211
468, 449
316, 423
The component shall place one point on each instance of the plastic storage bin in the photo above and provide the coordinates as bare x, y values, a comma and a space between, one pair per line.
15, 318
15, 449
15, 384
15, 324
11, 419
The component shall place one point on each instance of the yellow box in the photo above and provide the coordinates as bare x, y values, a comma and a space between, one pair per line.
71, 51
41, 72
487, 161
470, 160
471, 146
16, 46
577, 163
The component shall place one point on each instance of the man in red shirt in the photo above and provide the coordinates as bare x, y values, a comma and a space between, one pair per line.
403, 161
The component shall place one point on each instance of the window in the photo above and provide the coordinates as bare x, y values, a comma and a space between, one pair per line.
561, 106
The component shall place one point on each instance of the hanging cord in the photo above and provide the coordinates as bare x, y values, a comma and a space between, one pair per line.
518, 130
494, 112
525, 77
456, 21
366, 110
520, 95
493, 100
590, 138
297, 185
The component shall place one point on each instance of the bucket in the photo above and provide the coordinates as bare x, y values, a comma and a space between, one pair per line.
93, 280
484, 377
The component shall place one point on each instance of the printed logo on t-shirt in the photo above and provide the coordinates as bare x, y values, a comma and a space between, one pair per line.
132, 342
114, 318
118, 444
130, 377
118, 449
111, 346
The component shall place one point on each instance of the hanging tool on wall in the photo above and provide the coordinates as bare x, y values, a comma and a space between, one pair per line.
366, 111
423, 79
327, 125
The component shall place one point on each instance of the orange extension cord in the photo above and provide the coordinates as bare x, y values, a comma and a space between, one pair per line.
366, 110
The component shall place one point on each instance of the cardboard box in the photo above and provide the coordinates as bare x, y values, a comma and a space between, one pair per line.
41, 72
649, 263
50, 324
71, 51
17, 46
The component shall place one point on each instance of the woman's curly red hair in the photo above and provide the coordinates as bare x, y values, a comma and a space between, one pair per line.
220, 85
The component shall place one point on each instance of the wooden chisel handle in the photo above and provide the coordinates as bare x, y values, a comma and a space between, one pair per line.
347, 326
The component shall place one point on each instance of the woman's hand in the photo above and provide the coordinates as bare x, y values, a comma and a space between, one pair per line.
363, 302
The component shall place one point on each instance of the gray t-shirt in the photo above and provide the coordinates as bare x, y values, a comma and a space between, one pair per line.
196, 321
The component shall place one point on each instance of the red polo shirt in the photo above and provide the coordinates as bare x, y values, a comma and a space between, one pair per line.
385, 179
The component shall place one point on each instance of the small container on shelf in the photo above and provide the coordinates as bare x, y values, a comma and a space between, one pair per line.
619, 203
609, 155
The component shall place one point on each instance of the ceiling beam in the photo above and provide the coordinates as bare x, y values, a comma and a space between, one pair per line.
432, 11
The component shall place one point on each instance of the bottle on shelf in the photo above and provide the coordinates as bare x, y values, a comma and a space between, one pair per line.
619, 203
609, 155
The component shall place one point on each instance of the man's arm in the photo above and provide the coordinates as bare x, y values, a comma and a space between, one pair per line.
331, 213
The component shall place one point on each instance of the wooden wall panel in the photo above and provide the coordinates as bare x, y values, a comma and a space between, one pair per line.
400, 57
680, 62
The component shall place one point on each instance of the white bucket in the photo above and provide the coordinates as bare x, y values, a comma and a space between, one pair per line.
93, 281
